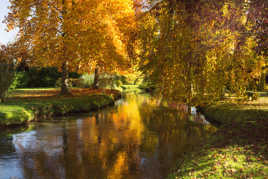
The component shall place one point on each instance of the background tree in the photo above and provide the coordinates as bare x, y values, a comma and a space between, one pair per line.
6, 69
75, 35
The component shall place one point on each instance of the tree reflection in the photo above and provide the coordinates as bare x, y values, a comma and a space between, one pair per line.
135, 140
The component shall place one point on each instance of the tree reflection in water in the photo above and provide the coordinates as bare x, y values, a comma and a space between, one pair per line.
136, 139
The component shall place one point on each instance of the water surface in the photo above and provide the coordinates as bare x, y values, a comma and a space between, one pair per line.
137, 139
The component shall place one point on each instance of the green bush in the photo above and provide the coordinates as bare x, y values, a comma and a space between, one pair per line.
44, 77
39, 78
21, 80
108, 81
111, 81
74, 75
87, 80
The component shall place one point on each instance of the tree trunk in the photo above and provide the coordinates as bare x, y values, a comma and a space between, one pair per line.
64, 78
64, 69
96, 79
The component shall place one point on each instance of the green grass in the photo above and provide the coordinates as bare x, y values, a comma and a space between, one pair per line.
14, 115
227, 113
239, 149
21, 109
34, 89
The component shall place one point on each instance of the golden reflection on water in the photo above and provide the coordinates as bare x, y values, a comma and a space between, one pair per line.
124, 128
134, 140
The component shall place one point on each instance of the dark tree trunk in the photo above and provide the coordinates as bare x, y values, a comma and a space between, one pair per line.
96, 79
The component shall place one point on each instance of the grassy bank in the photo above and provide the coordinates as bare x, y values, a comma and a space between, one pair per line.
42, 104
239, 149
227, 113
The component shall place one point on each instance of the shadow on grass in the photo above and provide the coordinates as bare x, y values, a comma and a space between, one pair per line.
235, 151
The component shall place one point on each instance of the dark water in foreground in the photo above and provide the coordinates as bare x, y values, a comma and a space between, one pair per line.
136, 139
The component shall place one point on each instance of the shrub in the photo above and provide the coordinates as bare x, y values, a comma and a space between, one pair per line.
21, 80
34, 78
110, 81
39, 78
87, 80
44, 77
74, 75
6, 78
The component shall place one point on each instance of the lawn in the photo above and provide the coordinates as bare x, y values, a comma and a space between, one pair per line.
26, 105
30, 93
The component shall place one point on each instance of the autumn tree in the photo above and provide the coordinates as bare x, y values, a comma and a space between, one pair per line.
75, 35
257, 12
196, 51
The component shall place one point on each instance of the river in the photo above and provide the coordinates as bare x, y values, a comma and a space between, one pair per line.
136, 139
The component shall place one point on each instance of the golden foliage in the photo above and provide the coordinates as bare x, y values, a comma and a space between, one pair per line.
82, 33
197, 54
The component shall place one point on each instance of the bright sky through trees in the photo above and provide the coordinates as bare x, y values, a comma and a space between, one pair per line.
5, 36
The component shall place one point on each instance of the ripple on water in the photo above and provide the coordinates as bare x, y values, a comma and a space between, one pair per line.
136, 139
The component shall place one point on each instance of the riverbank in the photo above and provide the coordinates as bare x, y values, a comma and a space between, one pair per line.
228, 113
239, 149
27, 105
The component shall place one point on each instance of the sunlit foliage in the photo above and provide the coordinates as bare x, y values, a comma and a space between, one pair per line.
75, 35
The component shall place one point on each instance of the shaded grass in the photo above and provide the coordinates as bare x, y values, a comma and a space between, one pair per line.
239, 149
31, 104
239, 152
